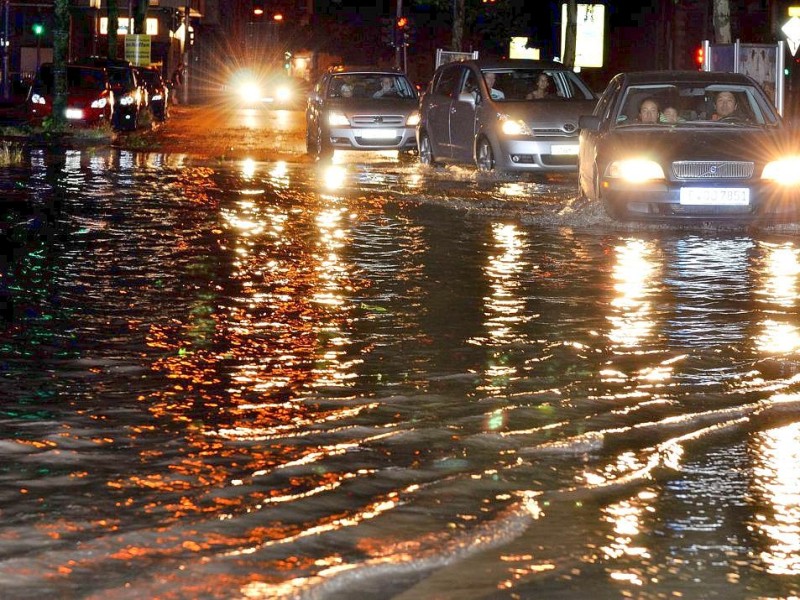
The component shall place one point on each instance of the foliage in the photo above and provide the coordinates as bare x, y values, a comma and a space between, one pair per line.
10, 154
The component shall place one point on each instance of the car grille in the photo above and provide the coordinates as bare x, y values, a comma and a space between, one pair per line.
553, 132
378, 120
709, 169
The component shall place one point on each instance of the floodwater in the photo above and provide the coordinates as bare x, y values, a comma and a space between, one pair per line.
262, 380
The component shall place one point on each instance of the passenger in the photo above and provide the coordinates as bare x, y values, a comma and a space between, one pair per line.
670, 115
648, 111
542, 88
387, 88
346, 91
726, 107
495, 94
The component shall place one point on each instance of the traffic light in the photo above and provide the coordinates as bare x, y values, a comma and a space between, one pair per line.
699, 57
38, 29
401, 31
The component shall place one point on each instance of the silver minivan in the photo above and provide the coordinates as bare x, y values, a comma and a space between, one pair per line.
509, 115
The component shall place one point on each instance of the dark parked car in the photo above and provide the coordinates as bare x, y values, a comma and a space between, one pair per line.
704, 162
89, 98
157, 91
347, 109
129, 97
505, 127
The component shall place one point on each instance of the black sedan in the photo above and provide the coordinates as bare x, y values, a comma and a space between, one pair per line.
694, 145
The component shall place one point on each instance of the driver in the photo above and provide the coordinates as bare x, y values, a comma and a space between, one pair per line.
725, 106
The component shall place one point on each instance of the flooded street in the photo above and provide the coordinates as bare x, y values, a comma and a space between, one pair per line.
264, 379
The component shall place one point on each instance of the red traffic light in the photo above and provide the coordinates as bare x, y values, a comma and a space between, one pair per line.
699, 57
402, 22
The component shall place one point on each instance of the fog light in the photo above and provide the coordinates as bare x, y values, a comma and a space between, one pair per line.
514, 158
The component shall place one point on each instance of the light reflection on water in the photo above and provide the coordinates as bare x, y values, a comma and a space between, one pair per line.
255, 380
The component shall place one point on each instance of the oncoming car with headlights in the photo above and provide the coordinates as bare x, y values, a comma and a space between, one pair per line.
509, 115
272, 89
357, 108
714, 148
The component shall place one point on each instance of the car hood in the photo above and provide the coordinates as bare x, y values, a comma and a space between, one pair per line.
375, 106
703, 143
544, 113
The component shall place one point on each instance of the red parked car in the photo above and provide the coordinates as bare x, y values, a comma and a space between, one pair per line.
90, 100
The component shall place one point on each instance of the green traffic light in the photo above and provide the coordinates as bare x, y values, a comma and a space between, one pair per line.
38, 29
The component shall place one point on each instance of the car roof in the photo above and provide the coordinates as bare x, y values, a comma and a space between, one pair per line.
701, 77
514, 63
365, 69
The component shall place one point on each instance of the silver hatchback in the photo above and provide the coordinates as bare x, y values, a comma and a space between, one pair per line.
354, 108
510, 115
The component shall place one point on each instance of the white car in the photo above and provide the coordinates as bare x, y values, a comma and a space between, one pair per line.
507, 127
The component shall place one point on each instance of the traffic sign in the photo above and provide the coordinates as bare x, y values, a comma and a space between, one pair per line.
792, 30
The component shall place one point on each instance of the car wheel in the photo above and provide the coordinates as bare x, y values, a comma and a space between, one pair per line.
426, 156
322, 144
484, 156
311, 142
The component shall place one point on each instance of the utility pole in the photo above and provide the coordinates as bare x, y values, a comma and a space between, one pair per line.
186, 40
399, 45
6, 51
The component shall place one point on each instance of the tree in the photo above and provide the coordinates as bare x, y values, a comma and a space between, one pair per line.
140, 16
571, 36
60, 43
112, 11
722, 21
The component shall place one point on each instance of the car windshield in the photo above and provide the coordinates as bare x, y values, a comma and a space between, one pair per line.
371, 85
121, 77
535, 84
150, 78
690, 104
78, 78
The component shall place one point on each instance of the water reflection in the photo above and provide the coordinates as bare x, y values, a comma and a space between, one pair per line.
778, 271
776, 488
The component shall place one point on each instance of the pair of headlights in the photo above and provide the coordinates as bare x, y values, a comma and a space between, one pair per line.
785, 171
337, 119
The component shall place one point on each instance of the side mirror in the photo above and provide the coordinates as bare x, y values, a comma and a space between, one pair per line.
589, 122
467, 97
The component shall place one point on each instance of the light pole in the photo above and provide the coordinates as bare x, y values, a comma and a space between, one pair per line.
6, 50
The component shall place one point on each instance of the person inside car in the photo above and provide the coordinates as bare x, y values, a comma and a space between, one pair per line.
726, 107
346, 91
669, 115
387, 88
542, 89
648, 111
490, 77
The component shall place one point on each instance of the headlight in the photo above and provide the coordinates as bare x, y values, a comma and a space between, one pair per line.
126, 100
250, 92
283, 94
99, 103
511, 126
785, 171
156, 98
38, 99
413, 119
336, 119
635, 170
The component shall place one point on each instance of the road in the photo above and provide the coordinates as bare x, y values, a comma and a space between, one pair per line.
221, 131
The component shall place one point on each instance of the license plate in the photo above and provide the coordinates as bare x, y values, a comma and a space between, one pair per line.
74, 113
378, 134
565, 149
695, 196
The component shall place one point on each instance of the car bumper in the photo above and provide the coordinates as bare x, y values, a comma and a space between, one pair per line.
385, 138
527, 154
659, 201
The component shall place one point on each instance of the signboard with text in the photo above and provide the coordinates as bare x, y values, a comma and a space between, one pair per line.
137, 49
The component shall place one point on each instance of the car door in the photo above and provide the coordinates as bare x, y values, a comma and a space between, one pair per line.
588, 175
438, 103
462, 117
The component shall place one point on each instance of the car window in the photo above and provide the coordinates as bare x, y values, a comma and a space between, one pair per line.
449, 81
521, 85
695, 103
